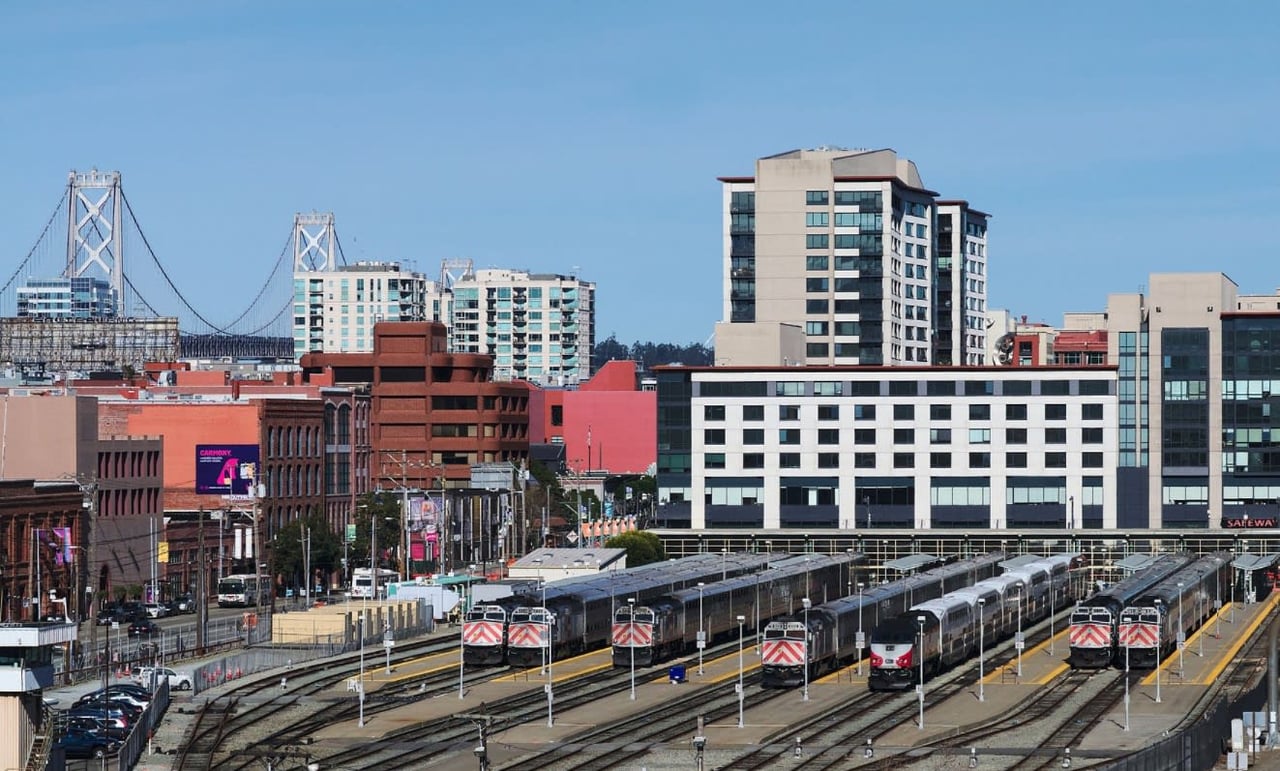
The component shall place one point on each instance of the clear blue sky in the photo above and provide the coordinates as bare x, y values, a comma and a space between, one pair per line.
1109, 140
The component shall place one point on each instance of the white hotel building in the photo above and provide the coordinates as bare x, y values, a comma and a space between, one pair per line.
888, 447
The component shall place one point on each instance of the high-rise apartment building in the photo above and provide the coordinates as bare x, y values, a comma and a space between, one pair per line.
849, 248
537, 326
82, 297
334, 310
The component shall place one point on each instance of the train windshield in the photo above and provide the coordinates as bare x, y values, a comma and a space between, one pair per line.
1085, 615
775, 631
896, 631
476, 614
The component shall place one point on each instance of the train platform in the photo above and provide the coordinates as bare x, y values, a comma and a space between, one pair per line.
1184, 678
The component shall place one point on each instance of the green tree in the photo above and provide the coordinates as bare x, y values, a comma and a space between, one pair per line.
289, 555
642, 547
383, 507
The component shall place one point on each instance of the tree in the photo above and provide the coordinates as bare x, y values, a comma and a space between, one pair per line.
384, 507
642, 547
289, 555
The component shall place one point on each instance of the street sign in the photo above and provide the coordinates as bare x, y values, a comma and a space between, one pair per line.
388, 643
860, 640
115, 625
702, 644
702, 635
351, 532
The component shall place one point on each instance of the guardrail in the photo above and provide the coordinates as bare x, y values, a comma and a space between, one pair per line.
133, 747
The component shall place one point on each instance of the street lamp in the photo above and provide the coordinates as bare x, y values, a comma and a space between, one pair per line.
806, 604
920, 650
982, 662
1159, 615
741, 621
702, 635
1181, 639
631, 603
861, 639
1126, 686
1018, 642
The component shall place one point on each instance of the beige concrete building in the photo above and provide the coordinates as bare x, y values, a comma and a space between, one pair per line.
335, 310
853, 248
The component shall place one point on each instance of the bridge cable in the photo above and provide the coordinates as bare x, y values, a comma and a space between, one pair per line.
274, 270
62, 200
165, 273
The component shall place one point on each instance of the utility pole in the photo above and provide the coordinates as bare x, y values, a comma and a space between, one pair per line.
306, 561
202, 601
483, 723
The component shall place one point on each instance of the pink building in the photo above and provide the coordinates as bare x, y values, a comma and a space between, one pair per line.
608, 426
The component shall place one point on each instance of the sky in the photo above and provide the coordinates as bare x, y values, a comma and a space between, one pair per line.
1108, 140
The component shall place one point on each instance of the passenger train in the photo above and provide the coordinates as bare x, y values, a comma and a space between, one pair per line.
656, 630
1095, 623
1153, 624
940, 633
516, 629
835, 628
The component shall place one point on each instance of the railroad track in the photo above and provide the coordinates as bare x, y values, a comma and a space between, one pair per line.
230, 716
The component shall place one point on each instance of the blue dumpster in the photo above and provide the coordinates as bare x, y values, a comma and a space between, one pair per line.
676, 673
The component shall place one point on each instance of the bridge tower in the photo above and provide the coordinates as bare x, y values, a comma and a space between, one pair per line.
314, 242
95, 209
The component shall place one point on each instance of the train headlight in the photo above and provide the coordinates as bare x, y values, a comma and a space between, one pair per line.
877, 660
904, 661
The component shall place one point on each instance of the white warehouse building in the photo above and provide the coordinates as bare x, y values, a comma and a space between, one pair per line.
857, 448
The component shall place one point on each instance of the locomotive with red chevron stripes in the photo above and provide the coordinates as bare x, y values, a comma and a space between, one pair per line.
834, 628
575, 614
669, 625
1167, 614
1095, 623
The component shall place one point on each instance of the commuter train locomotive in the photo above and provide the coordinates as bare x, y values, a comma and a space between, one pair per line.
576, 614
834, 626
1152, 625
1095, 623
484, 632
668, 625
934, 635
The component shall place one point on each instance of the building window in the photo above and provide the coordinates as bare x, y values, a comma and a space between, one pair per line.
753, 436
828, 412
557, 415
753, 412
815, 262
979, 412
1091, 459
904, 436
1016, 460
1091, 411
815, 306
939, 460
788, 412
813, 284
817, 241
939, 412
816, 219
816, 350
788, 436
1015, 436
753, 460
713, 436
713, 460
713, 412
828, 436
815, 328
828, 460
864, 412
864, 460
1015, 412
816, 197
1055, 412
904, 460
979, 460
1091, 436
864, 436
904, 412
979, 436
939, 436
1055, 460
1055, 436
789, 460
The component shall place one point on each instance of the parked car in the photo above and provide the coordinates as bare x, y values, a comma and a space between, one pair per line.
102, 709
100, 726
83, 744
129, 710
178, 681
156, 610
143, 628
131, 699
133, 689
186, 604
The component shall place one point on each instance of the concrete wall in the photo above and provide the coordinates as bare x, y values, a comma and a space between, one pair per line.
759, 345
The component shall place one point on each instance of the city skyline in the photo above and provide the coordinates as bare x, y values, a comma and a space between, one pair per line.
587, 141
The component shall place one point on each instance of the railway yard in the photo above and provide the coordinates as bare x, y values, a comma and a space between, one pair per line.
427, 710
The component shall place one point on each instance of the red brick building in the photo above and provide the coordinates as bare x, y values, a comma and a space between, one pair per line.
29, 567
434, 413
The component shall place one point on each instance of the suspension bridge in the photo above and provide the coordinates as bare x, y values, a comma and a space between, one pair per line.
92, 294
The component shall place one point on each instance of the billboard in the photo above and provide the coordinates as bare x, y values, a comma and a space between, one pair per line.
423, 514
226, 469
57, 542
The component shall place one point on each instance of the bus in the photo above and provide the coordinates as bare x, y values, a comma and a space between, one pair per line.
243, 591
361, 585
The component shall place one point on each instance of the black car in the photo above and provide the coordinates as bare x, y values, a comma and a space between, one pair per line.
143, 628
99, 726
186, 604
